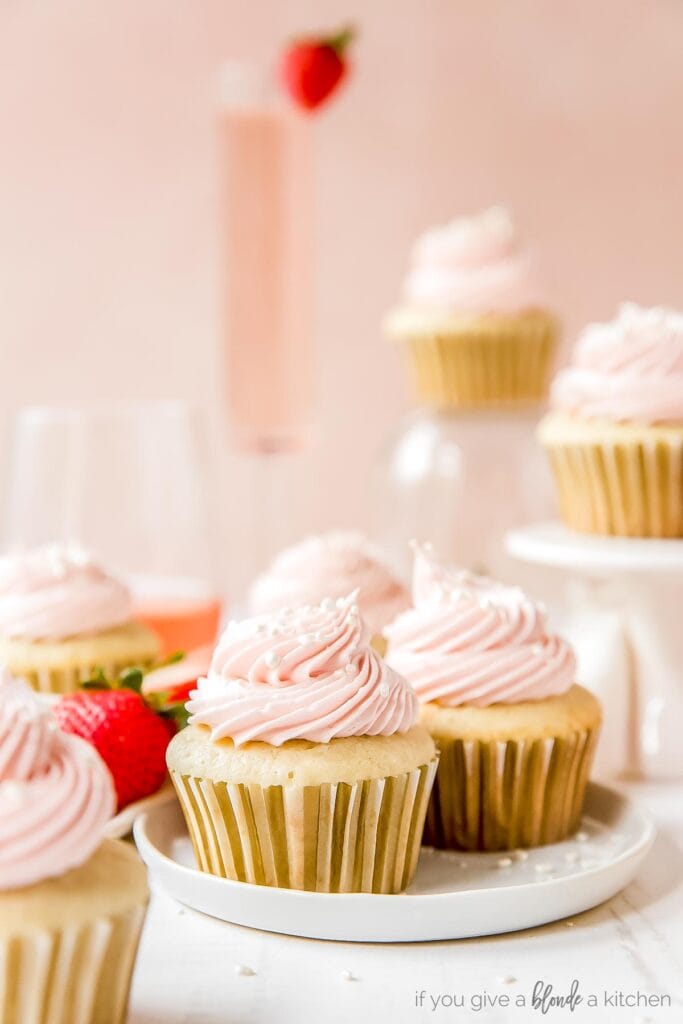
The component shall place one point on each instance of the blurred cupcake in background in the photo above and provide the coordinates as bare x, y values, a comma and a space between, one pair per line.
615, 433
473, 318
63, 618
516, 735
303, 765
71, 904
332, 564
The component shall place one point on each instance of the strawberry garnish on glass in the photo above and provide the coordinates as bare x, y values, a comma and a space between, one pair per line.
313, 68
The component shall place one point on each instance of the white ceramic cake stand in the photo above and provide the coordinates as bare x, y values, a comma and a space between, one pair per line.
623, 612
453, 895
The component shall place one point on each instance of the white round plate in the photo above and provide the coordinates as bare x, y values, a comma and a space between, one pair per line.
453, 896
554, 544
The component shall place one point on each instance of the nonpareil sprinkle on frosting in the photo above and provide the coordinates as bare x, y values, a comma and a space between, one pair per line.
471, 640
305, 673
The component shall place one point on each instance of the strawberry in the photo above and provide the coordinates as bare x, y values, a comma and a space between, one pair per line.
177, 676
312, 68
129, 732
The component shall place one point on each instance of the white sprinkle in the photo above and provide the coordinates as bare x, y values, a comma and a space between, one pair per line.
543, 869
504, 862
11, 791
582, 837
340, 602
272, 659
243, 971
537, 648
350, 669
521, 854
306, 638
52, 725
328, 604
347, 976
384, 689
506, 979
353, 611
571, 856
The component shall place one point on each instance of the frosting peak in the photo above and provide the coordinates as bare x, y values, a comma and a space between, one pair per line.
56, 794
307, 673
54, 592
333, 563
471, 640
472, 265
628, 370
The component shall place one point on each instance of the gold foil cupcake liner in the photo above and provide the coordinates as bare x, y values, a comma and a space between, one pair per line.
336, 837
67, 679
76, 975
629, 489
507, 360
505, 794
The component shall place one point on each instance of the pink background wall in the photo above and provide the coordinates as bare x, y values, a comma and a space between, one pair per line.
570, 113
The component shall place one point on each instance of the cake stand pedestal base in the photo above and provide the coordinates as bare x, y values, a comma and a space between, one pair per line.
623, 612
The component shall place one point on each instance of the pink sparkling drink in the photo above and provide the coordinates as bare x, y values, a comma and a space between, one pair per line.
267, 186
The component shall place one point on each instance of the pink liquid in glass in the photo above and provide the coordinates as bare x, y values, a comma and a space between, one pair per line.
184, 612
181, 624
267, 184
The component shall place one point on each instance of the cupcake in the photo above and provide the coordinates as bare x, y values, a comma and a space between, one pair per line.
473, 318
71, 904
62, 619
615, 433
516, 734
303, 765
332, 564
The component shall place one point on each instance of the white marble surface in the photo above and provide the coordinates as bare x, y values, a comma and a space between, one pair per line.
192, 969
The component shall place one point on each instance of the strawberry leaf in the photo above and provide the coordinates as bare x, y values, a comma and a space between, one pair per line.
131, 679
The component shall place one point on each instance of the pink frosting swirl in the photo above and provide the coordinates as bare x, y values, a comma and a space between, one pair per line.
472, 265
470, 640
307, 674
628, 370
331, 564
55, 592
56, 795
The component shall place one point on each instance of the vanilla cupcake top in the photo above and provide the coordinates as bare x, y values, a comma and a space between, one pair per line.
331, 564
54, 592
471, 640
307, 674
630, 369
472, 265
56, 795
